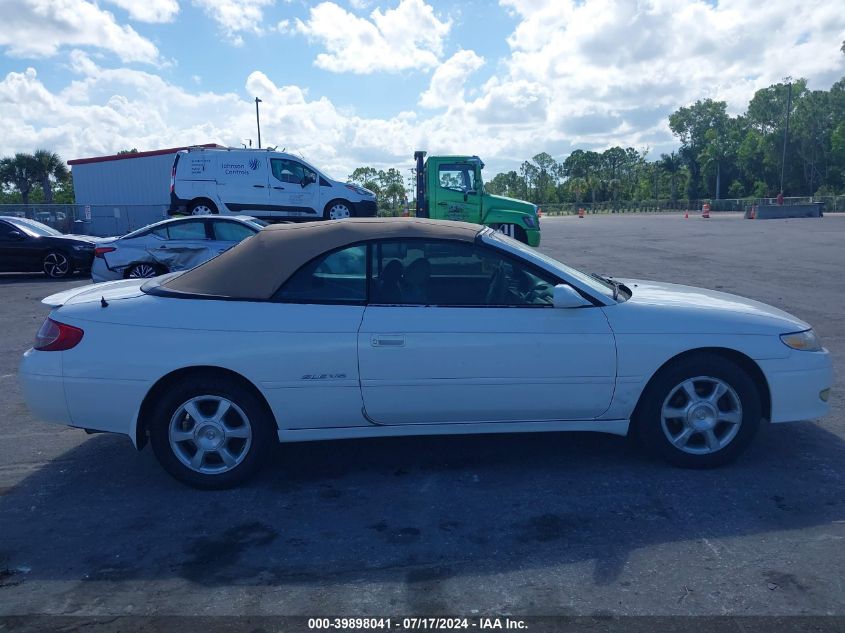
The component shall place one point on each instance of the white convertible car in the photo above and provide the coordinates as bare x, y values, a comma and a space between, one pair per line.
385, 327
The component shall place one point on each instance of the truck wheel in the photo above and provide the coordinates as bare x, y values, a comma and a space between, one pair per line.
513, 230
202, 207
337, 210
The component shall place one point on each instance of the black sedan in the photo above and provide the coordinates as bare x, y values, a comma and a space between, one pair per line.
29, 246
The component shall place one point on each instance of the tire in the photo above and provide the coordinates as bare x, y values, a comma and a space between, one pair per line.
57, 265
337, 210
144, 270
713, 426
202, 207
513, 230
243, 437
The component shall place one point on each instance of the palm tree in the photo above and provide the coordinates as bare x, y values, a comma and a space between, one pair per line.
672, 164
22, 172
49, 165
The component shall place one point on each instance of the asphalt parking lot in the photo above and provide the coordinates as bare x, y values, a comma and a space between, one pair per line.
566, 524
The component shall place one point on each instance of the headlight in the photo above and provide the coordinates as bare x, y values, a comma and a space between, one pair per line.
529, 221
806, 341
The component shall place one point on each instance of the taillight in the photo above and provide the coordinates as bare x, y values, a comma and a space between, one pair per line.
173, 177
57, 337
102, 250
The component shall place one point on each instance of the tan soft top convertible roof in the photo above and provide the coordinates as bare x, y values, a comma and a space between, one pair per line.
258, 266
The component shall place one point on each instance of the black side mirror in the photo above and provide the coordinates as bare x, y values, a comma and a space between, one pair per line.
16, 235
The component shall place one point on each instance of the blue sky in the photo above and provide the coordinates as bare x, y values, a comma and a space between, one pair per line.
352, 82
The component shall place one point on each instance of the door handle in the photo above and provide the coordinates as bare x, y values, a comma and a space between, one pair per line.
441, 204
258, 186
282, 188
388, 340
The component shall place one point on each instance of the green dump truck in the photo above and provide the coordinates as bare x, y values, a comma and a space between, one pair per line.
450, 188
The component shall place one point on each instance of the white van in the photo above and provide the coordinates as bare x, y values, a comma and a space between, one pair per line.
261, 183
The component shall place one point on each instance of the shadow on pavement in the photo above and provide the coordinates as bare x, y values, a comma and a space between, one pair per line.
416, 510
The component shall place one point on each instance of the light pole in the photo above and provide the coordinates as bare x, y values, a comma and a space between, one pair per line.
258, 121
785, 134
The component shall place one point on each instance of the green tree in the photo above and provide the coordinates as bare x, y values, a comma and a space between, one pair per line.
691, 124
671, 164
21, 171
49, 168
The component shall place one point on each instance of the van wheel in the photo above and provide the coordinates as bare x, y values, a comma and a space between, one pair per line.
203, 207
337, 210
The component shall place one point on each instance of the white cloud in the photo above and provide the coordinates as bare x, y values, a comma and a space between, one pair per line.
615, 69
447, 82
39, 28
149, 10
409, 36
236, 16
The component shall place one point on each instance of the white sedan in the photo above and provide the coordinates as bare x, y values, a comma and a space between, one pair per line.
387, 327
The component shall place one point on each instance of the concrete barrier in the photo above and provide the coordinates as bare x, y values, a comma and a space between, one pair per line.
774, 211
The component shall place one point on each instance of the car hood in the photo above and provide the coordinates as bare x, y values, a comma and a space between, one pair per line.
673, 307
110, 291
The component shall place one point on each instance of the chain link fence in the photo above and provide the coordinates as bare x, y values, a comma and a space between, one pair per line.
98, 220
832, 204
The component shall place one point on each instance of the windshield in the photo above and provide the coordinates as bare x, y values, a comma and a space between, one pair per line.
599, 285
32, 227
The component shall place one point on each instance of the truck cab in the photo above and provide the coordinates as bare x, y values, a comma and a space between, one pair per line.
451, 188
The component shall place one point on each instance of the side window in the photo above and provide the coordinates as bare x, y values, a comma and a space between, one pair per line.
456, 177
190, 230
449, 273
337, 277
291, 171
5, 230
225, 231
160, 232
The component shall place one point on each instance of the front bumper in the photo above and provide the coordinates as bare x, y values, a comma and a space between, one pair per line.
533, 236
796, 383
366, 209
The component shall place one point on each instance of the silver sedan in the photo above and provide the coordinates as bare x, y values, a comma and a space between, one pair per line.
170, 245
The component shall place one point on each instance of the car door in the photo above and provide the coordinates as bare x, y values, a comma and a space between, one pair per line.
294, 188
226, 233
187, 244
18, 251
456, 197
242, 182
459, 332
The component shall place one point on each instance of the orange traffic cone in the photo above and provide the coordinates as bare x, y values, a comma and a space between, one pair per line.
539, 212
580, 213
705, 211
753, 212
686, 215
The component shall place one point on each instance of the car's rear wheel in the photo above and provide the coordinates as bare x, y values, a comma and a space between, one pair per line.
143, 270
337, 210
210, 433
202, 207
57, 265
699, 412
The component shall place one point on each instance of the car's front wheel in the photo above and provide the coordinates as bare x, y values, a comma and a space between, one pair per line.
211, 433
699, 412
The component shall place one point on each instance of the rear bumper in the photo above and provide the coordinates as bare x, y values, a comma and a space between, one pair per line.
796, 384
366, 209
43, 386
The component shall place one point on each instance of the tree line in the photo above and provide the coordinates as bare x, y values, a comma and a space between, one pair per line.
38, 177
720, 156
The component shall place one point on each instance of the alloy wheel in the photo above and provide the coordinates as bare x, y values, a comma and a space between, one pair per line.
142, 271
210, 434
701, 415
56, 265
